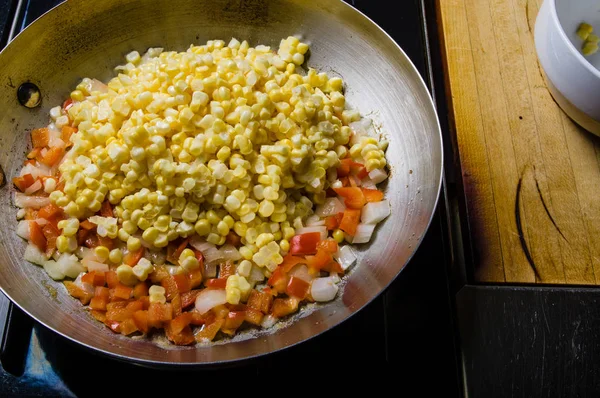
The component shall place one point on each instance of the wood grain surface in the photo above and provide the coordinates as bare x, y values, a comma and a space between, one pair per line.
531, 176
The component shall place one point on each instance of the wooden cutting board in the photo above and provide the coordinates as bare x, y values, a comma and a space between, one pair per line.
531, 176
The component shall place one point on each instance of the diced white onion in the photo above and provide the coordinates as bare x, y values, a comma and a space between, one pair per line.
34, 255
301, 271
210, 270
360, 128
314, 221
209, 251
306, 230
368, 183
172, 269
69, 265
96, 266
36, 186
36, 171
256, 275
345, 257
53, 269
323, 289
229, 252
363, 233
23, 229
331, 207
89, 255
157, 257
377, 175
374, 212
34, 202
268, 321
97, 85
55, 139
210, 298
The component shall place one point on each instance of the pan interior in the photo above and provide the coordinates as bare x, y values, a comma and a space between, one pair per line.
88, 39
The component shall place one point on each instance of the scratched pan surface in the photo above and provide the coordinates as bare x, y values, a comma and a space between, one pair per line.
87, 39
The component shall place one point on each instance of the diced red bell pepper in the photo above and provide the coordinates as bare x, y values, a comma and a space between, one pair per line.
99, 278
297, 287
141, 320
283, 307
98, 303
226, 269
123, 292
111, 279
78, 292
189, 298
67, 104
176, 304
159, 313
253, 316
183, 282
106, 209
82, 236
134, 306
99, 315
140, 290
145, 300
117, 311
101, 291
181, 321
24, 182
88, 277
170, 287
278, 280
128, 327
40, 137
87, 225
320, 260
350, 221
36, 235
353, 197
233, 321
209, 331
233, 239
132, 257
331, 223
160, 272
66, 133
184, 337
217, 283
50, 233
328, 245
33, 155
290, 262
49, 211
113, 325
372, 195
260, 301
53, 156
305, 243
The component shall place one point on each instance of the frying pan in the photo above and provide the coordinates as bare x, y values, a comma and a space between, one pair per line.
82, 38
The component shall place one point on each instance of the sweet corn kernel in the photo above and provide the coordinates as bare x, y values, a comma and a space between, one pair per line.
125, 275
102, 252
115, 256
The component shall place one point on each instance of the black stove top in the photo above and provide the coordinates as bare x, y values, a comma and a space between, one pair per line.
407, 331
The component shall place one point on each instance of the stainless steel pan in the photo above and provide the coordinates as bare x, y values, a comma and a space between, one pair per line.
88, 38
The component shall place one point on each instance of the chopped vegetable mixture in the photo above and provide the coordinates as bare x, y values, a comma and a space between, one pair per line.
199, 191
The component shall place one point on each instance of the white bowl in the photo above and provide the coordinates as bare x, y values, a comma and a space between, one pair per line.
573, 79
